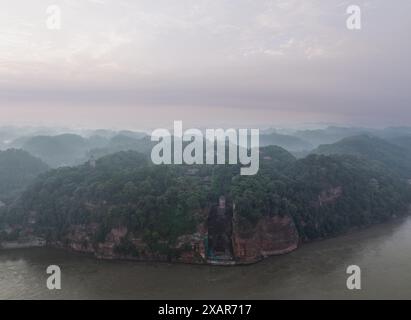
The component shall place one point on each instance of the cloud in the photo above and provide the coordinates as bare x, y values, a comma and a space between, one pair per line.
279, 55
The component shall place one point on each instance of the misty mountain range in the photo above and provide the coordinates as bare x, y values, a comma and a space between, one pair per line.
39, 152
68, 147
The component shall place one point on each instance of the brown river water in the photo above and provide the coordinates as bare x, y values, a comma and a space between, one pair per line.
315, 271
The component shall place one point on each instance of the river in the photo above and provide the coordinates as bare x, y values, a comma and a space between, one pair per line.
315, 271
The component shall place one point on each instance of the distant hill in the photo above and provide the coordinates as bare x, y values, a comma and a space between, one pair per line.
329, 135
122, 142
17, 169
132, 134
402, 141
394, 132
333, 134
287, 142
60, 150
275, 158
73, 149
393, 156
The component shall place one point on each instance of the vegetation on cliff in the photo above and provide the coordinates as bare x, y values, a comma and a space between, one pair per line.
330, 194
324, 195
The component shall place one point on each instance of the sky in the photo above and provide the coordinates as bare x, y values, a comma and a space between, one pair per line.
245, 63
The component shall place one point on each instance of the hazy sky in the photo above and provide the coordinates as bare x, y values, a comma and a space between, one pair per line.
145, 63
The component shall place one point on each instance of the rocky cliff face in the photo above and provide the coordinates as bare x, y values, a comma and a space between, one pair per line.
329, 195
188, 248
270, 236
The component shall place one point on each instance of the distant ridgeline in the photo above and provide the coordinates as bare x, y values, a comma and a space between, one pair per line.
123, 206
394, 154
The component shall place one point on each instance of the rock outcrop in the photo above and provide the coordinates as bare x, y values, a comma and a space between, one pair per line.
270, 236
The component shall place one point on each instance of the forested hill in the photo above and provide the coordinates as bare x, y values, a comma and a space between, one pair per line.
324, 195
17, 169
394, 157
334, 193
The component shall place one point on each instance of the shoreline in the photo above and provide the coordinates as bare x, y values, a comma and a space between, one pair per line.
41, 243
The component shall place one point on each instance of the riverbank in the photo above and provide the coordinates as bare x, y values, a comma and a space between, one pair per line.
34, 242
38, 242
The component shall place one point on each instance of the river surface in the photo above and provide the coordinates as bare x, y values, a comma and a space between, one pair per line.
315, 271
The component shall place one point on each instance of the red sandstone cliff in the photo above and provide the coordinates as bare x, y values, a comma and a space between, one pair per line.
270, 236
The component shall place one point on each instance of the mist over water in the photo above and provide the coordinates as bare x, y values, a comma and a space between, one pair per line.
315, 270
